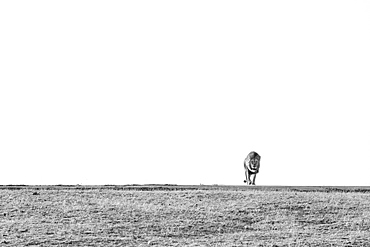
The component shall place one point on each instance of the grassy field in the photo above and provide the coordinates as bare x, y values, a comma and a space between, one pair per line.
170, 215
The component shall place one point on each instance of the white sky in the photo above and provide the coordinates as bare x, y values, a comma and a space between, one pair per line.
122, 92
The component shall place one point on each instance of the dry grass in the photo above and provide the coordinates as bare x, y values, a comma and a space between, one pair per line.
213, 216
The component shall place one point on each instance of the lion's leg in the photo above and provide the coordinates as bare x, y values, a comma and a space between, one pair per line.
254, 179
247, 176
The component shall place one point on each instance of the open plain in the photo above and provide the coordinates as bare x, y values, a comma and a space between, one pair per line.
172, 215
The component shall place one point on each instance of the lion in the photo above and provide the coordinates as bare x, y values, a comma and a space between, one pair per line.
251, 167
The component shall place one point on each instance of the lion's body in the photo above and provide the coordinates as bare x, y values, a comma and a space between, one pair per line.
251, 167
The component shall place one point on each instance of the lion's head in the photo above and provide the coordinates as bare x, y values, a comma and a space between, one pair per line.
253, 162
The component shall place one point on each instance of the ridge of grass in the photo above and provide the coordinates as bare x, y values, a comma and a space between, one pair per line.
202, 217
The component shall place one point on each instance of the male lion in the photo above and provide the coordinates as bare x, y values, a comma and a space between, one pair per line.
251, 167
